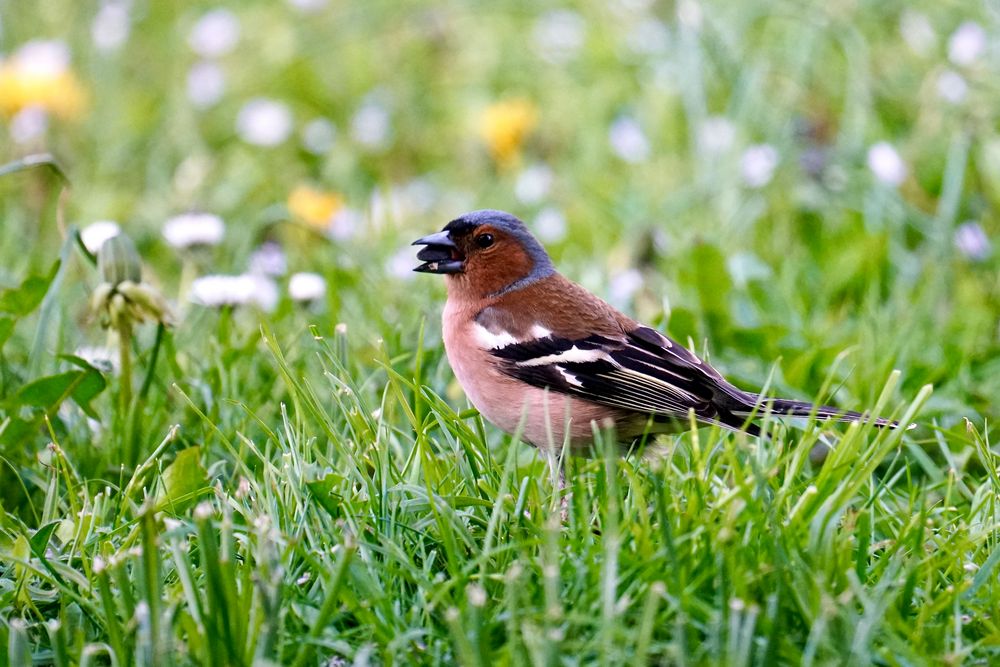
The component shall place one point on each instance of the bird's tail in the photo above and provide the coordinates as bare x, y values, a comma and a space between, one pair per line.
791, 408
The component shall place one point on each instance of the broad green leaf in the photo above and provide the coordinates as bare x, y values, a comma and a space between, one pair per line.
48, 392
322, 490
6, 329
16, 432
40, 539
19, 301
182, 481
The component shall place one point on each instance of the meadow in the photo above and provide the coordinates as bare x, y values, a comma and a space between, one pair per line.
228, 431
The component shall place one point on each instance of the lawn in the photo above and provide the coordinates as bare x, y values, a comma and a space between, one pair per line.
230, 436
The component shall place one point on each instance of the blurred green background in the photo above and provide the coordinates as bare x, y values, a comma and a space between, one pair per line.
805, 191
781, 184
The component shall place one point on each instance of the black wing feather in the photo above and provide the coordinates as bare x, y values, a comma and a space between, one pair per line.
644, 372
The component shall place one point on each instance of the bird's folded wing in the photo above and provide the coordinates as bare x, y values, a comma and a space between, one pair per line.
642, 371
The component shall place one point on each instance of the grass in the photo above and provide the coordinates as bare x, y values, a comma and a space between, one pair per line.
307, 485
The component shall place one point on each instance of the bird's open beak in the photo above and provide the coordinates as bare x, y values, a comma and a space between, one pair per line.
440, 256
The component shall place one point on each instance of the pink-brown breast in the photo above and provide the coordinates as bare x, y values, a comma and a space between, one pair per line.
507, 403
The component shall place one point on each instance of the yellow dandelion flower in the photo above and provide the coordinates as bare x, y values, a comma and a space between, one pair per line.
314, 207
38, 75
504, 127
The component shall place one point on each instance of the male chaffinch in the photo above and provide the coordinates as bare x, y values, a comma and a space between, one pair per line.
528, 345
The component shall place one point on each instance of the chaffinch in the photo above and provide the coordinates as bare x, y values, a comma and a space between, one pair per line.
528, 345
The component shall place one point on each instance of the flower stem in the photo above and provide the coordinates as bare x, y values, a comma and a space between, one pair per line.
125, 359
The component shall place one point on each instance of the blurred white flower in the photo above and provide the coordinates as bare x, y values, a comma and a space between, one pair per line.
111, 26
886, 163
101, 357
215, 34
96, 233
371, 126
383, 207
533, 184
689, 14
191, 173
194, 229
418, 196
344, 224
306, 287
627, 139
758, 164
623, 286
648, 37
402, 263
952, 87
264, 122
318, 136
967, 43
559, 35
917, 32
215, 291
308, 5
206, 83
42, 58
268, 259
29, 124
716, 134
623, 7
550, 225
971, 241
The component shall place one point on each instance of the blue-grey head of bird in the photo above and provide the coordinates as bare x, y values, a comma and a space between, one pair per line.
489, 251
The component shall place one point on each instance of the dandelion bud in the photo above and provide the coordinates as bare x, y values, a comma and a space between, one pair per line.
122, 299
118, 261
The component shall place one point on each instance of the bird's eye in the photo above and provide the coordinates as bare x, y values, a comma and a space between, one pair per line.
484, 240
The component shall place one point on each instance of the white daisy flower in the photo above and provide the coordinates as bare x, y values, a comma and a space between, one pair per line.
559, 35
215, 34
716, 135
951, 87
886, 163
206, 84
648, 37
971, 241
308, 6
264, 122
268, 259
29, 124
758, 164
627, 140
550, 225
306, 287
533, 184
111, 26
967, 43
917, 32
194, 229
401, 264
344, 224
318, 136
216, 291
371, 125
623, 286
42, 58
96, 233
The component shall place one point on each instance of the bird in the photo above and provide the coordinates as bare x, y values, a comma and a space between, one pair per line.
541, 356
